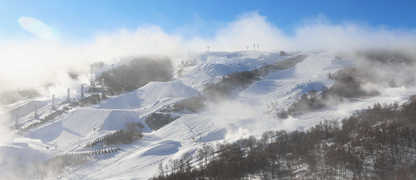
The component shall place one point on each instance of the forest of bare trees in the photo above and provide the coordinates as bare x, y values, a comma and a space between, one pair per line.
348, 84
131, 133
241, 80
136, 74
378, 142
159, 119
192, 104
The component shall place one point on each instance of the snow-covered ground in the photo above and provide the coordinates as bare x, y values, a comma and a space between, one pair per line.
228, 120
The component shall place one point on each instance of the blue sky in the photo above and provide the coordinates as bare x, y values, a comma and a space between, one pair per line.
40, 40
84, 19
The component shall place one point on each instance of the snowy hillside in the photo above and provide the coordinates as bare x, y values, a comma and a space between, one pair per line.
247, 114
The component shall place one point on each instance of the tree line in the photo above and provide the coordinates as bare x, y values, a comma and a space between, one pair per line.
350, 82
47, 118
157, 120
192, 104
181, 67
90, 100
348, 85
241, 80
136, 74
133, 132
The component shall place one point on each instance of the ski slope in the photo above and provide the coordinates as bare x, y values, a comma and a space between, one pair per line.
243, 116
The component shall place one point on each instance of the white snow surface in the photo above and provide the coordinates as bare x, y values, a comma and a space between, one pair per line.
228, 120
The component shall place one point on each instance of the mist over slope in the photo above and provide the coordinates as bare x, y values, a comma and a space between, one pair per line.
51, 66
247, 111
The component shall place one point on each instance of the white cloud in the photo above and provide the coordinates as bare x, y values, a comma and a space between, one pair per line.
35, 26
35, 62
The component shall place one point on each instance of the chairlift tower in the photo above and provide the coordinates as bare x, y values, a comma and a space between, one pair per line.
247, 48
208, 49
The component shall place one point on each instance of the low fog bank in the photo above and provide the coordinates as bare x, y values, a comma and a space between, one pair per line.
244, 119
377, 69
57, 64
128, 74
385, 59
387, 72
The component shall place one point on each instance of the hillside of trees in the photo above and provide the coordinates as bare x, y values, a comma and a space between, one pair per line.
374, 68
90, 100
241, 80
281, 65
192, 104
375, 143
388, 56
136, 74
133, 132
157, 120
348, 85
46, 119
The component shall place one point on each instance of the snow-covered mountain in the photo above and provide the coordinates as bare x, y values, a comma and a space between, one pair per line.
247, 114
